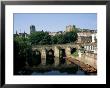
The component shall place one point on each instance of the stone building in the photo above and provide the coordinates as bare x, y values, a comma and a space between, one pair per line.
84, 34
83, 39
86, 37
52, 33
55, 33
32, 29
92, 47
94, 37
21, 34
70, 28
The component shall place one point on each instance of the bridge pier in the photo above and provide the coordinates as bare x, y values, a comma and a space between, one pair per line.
43, 57
68, 54
56, 54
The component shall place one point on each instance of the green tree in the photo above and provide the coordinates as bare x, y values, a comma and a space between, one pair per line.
40, 38
46, 39
70, 36
61, 39
54, 39
21, 49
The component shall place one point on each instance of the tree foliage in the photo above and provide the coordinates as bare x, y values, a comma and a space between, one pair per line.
22, 51
37, 38
70, 37
40, 38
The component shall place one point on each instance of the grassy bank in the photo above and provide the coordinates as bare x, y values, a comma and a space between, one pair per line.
75, 54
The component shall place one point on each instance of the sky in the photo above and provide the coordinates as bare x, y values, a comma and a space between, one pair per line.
53, 22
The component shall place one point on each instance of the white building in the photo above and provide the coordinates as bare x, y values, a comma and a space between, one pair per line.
91, 47
94, 37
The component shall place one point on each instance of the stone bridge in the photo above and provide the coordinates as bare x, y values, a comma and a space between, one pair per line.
54, 50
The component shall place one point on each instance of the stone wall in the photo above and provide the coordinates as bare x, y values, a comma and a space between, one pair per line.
84, 39
68, 54
88, 59
43, 57
56, 54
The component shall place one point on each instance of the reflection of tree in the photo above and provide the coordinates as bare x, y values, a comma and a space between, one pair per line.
19, 60
36, 58
69, 70
62, 55
50, 57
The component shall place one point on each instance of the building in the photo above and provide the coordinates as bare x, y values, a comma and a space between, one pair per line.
52, 33
21, 34
92, 47
32, 29
70, 28
83, 39
55, 33
85, 34
87, 37
94, 37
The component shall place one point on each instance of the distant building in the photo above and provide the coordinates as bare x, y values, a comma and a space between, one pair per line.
16, 34
92, 47
94, 37
21, 34
55, 33
87, 36
52, 33
32, 29
84, 39
84, 34
70, 28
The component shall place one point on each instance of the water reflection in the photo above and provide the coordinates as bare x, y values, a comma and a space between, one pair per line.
59, 71
62, 55
50, 57
35, 68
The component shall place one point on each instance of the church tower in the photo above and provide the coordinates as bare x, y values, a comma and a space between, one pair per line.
32, 29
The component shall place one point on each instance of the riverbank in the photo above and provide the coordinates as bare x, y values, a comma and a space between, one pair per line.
85, 67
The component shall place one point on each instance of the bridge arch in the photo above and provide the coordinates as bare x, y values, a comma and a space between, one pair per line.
54, 51
73, 49
36, 57
62, 56
50, 56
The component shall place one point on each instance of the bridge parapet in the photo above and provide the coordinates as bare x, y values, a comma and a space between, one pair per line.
57, 45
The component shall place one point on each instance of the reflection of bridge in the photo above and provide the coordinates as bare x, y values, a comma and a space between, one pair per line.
55, 51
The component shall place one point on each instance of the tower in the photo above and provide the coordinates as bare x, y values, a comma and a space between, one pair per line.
70, 28
16, 32
32, 29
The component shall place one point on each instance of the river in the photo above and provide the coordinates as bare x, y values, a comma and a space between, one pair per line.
51, 70
37, 68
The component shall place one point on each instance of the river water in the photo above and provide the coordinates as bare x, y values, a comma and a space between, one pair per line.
51, 69
76, 70
58, 73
